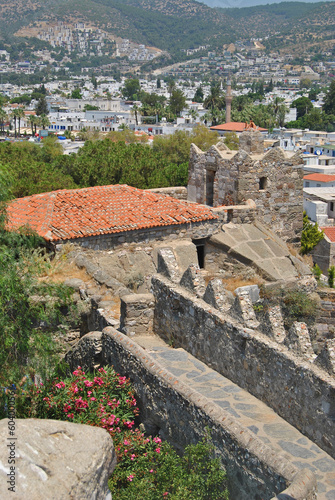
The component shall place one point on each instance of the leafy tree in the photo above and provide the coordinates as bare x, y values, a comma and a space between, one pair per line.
199, 95
177, 101
76, 94
158, 83
23, 340
231, 140
310, 236
329, 101
305, 83
131, 89
42, 107
89, 107
303, 105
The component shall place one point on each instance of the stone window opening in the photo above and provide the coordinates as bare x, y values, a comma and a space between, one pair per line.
200, 246
263, 182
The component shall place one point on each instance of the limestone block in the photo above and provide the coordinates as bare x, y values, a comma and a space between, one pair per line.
272, 324
216, 295
326, 358
57, 460
253, 291
167, 264
243, 308
137, 314
193, 280
298, 340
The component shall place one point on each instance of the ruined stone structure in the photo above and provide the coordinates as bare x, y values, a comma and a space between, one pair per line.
272, 179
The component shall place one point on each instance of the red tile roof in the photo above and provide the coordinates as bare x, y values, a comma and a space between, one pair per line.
78, 213
319, 177
329, 232
234, 127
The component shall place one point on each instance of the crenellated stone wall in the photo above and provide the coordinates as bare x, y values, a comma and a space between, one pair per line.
279, 372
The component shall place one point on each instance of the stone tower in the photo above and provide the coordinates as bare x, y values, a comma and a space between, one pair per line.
228, 100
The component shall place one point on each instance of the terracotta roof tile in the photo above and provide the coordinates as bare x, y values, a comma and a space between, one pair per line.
319, 177
329, 232
234, 127
78, 213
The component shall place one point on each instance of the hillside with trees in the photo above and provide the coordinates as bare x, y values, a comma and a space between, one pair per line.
176, 25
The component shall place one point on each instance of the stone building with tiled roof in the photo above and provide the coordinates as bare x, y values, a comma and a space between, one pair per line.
103, 216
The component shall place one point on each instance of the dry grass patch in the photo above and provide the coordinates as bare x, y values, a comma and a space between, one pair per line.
231, 284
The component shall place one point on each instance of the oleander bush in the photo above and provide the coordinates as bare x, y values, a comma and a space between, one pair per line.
147, 467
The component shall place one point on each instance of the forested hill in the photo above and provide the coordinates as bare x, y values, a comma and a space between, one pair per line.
173, 25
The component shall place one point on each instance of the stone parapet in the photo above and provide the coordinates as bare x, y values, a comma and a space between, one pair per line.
300, 392
254, 469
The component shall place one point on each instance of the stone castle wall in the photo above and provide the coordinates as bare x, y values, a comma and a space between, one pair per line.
255, 471
194, 230
300, 392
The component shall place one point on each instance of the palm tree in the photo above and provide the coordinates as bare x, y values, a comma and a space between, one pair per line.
33, 123
3, 118
215, 98
20, 114
14, 115
44, 121
134, 111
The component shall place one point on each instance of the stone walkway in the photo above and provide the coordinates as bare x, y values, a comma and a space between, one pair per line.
251, 412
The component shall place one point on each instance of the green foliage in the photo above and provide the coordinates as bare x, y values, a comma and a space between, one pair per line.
231, 140
147, 467
317, 272
329, 100
89, 107
296, 305
131, 89
310, 236
29, 310
331, 276
76, 94
162, 473
41, 107
303, 105
177, 101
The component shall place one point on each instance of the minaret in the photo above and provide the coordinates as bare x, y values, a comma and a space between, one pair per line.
228, 99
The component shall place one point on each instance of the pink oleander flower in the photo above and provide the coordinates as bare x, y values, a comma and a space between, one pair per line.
130, 478
101, 370
122, 380
128, 424
151, 470
98, 381
157, 440
60, 385
158, 450
132, 457
88, 383
89, 392
165, 494
126, 442
93, 399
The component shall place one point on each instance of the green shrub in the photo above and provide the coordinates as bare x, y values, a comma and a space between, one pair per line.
317, 272
147, 468
310, 236
331, 276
